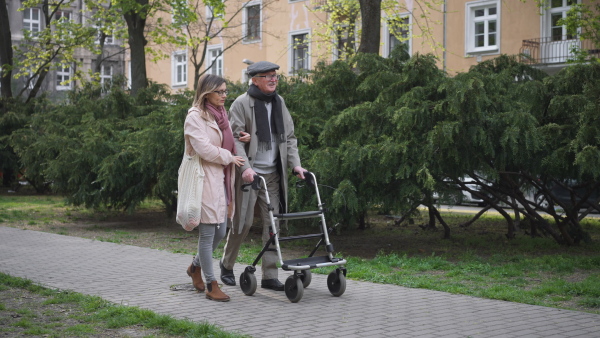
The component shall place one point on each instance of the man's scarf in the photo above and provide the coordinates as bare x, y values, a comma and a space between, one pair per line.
262, 117
220, 116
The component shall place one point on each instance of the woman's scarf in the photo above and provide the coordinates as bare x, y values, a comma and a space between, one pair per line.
228, 143
262, 117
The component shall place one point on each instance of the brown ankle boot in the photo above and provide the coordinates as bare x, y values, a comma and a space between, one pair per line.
213, 292
194, 272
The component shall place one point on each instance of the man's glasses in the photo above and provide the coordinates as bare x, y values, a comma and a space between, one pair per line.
273, 77
222, 92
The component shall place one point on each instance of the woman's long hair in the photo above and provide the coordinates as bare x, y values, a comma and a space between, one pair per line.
207, 84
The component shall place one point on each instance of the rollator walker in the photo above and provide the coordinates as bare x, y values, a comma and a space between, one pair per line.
296, 283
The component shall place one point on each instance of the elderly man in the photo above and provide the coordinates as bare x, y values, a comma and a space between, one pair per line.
271, 151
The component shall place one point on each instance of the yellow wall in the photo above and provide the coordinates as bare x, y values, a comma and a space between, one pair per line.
518, 21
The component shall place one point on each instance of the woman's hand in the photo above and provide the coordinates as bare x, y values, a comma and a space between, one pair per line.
244, 137
238, 161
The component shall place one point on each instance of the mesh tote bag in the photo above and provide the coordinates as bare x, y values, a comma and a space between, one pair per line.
190, 182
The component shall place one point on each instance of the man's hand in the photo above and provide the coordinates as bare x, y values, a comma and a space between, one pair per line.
248, 175
244, 137
300, 171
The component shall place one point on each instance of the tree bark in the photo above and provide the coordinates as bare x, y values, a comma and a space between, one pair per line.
370, 11
6, 54
443, 223
136, 22
361, 222
476, 217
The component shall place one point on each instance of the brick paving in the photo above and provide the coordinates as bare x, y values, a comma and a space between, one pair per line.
144, 277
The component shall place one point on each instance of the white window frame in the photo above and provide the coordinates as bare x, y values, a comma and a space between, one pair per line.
60, 77
129, 74
106, 78
209, 14
33, 80
245, 21
547, 20
28, 23
388, 34
291, 43
335, 42
470, 21
178, 64
63, 14
109, 38
217, 68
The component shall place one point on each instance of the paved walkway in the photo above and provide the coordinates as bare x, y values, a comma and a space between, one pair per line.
143, 277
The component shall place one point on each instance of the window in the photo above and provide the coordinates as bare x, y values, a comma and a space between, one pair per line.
557, 11
106, 73
32, 80
215, 55
64, 16
210, 13
108, 40
63, 77
299, 51
180, 68
252, 22
31, 20
482, 26
345, 42
398, 32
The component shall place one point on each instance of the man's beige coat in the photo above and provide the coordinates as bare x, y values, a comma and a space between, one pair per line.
241, 118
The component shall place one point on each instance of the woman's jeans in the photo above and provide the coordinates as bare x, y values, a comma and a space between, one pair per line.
210, 237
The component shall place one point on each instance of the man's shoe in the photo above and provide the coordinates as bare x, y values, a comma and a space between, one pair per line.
273, 284
227, 276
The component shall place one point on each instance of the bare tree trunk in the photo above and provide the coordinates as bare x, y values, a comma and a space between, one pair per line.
361, 222
38, 83
370, 11
443, 223
431, 220
6, 54
136, 22
476, 217
398, 221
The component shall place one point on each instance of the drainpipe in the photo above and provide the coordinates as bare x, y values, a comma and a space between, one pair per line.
444, 38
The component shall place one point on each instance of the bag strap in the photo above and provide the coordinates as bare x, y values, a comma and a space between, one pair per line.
186, 152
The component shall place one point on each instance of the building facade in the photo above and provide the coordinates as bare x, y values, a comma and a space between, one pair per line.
461, 33
296, 34
61, 77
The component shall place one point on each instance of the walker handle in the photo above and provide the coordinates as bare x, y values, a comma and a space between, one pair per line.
255, 184
308, 177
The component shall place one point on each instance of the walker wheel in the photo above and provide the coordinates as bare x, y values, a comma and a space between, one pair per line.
248, 283
294, 289
336, 282
306, 277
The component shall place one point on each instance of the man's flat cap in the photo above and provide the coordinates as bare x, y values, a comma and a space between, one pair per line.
261, 67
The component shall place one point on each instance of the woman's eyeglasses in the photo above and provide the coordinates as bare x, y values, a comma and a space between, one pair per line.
269, 77
222, 92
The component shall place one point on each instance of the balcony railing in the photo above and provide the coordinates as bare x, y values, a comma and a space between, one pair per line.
551, 50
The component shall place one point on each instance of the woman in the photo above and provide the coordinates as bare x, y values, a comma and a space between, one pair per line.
207, 132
